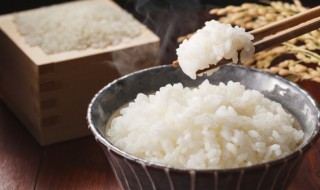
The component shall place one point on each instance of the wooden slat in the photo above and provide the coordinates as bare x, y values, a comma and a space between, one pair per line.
78, 164
65, 104
20, 154
18, 85
50, 93
308, 176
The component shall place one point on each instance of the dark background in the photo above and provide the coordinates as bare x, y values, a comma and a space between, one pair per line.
8, 6
169, 19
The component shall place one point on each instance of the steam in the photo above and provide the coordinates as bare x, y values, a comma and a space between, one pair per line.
169, 19
129, 60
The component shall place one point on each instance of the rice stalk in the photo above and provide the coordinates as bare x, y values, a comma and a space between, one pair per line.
297, 59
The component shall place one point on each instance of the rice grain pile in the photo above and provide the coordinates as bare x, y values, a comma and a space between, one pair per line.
214, 42
76, 26
224, 126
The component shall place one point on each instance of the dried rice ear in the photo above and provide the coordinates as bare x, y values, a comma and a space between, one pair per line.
303, 50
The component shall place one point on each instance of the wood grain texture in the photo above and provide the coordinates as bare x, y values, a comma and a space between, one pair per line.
40, 58
58, 87
78, 164
81, 164
20, 154
308, 176
17, 76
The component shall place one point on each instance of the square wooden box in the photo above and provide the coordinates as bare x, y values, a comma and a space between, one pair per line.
50, 93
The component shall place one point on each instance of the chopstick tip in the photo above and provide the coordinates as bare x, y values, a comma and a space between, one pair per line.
175, 63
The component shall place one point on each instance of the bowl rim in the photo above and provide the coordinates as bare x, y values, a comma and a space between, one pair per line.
300, 150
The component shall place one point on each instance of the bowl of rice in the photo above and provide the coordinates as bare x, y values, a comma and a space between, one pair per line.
239, 128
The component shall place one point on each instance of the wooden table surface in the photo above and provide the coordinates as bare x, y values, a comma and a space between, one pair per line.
81, 164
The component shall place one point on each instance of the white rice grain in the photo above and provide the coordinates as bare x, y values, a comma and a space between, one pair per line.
76, 26
222, 126
214, 42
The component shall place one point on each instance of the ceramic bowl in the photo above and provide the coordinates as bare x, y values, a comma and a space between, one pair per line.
134, 173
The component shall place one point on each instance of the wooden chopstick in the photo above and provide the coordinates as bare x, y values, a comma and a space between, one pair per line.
284, 30
279, 32
287, 34
286, 23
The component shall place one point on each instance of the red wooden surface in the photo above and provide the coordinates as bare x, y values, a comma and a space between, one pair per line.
20, 155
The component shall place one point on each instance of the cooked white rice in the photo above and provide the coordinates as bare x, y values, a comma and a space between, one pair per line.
76, 26
211, 44
210, 126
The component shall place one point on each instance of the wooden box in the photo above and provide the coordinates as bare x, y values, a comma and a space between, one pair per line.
50, 93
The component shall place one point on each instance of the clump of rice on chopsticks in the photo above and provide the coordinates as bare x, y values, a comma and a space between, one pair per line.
214, 42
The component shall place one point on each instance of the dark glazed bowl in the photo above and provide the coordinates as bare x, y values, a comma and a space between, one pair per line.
134, 173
